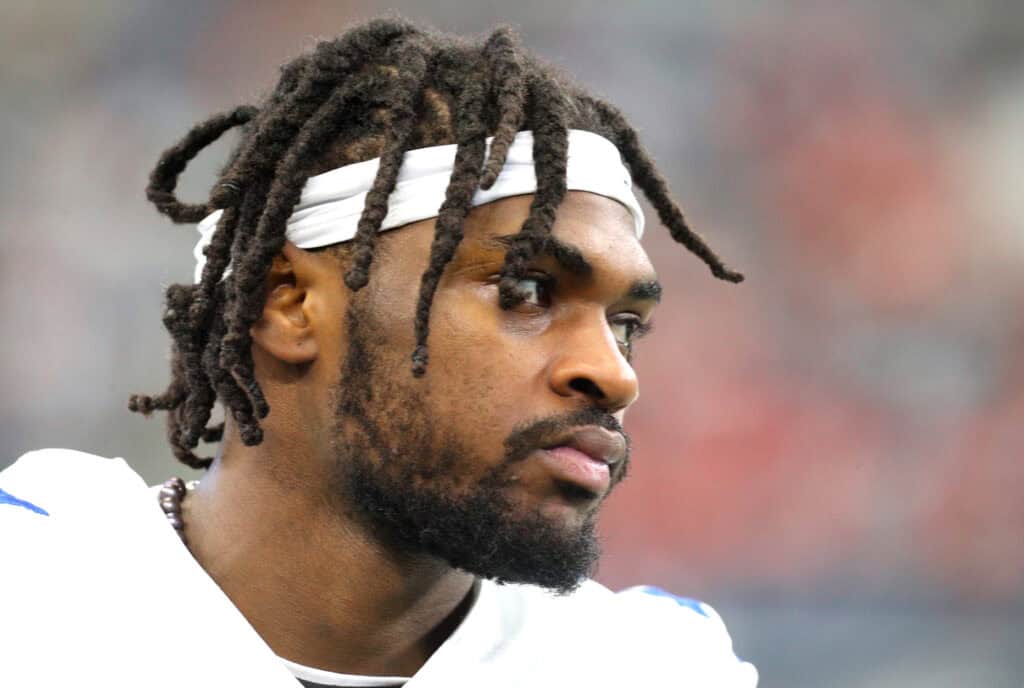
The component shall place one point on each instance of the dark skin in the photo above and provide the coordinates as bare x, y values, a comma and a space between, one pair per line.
319, 587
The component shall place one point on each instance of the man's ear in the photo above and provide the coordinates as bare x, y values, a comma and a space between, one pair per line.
285, 330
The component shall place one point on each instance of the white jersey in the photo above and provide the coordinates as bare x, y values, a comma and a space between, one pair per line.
97, 589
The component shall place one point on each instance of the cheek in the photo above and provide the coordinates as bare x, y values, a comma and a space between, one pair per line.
483, 380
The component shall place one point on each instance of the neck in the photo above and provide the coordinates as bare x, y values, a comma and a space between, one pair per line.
317, 586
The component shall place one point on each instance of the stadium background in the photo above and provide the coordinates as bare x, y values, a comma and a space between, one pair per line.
830, 453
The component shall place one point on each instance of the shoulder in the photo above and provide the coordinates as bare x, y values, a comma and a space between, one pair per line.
59, 511
68, 517
53, 491
49, 482
104, 584
649, 632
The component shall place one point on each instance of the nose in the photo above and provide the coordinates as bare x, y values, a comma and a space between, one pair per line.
588, 364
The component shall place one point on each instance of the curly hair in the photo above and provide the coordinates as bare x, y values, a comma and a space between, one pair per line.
379, 90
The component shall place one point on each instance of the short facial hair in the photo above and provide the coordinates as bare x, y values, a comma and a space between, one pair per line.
403, 477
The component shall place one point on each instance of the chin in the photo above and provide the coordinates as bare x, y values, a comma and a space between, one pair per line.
568, 517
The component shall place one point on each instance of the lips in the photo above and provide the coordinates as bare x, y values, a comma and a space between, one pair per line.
585, 458
597, 443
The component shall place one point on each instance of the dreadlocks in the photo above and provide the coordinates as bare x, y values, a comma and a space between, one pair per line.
379, 90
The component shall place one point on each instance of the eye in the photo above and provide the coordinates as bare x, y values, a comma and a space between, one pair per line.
536, 290
627, 328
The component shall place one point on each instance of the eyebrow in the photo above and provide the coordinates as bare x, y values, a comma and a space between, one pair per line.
572, 260
649, 290
567, 255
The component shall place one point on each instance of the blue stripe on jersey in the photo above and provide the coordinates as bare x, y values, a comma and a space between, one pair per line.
8, 498
687, 602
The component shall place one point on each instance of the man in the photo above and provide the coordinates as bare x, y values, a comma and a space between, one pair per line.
420, 424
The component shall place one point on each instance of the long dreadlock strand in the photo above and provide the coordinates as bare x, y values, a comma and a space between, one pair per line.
235, 399
164, 178
174, 424
464, 182
409, 92
328, 66
179, 430
647, 177
305, 85
236, 402
189, 388
178, 389
501, 50
550, 154
268, 240
196, 409
448, 229
330, 62
218, 255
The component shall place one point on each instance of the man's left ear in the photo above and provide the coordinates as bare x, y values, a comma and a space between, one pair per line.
285, 330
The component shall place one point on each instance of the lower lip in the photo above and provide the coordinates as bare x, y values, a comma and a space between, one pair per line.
572, 465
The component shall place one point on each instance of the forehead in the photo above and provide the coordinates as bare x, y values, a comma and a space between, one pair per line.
600, 228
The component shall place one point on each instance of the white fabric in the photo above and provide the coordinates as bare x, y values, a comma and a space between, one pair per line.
331, 203
102, 592
331, 678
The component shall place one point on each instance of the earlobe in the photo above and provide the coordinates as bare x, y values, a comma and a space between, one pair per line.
284, 330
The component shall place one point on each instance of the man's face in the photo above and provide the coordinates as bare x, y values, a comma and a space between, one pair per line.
499, 457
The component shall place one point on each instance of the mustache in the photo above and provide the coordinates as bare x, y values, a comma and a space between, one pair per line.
530, 437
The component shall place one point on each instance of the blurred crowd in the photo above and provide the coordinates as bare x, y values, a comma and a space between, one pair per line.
857, 410
847, 423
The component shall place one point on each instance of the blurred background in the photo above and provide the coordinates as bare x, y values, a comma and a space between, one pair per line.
829, 453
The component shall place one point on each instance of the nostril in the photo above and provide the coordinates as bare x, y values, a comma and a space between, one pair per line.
586, 386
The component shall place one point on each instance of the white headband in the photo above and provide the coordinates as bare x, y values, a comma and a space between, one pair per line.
331, 203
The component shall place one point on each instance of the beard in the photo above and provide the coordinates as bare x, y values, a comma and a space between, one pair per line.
411, 482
